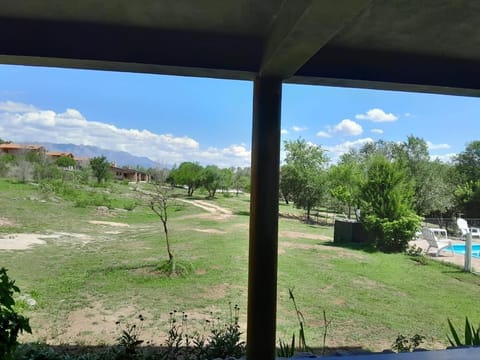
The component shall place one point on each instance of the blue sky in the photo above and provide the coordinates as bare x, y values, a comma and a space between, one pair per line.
173, 119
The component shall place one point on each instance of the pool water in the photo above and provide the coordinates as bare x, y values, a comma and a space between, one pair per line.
460, 249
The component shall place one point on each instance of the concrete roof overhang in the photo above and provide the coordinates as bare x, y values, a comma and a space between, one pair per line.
426, 45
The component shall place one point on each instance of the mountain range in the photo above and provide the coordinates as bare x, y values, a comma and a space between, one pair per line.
121, 158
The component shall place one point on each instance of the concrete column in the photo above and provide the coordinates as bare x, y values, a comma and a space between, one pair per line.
262, 268
468, 252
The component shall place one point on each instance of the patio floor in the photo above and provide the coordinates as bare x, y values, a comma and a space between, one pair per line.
447, 256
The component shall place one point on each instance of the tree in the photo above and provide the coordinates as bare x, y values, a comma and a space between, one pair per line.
65, 162
188, 174
386, 204
288, 182
226, 179
304, 173
467, 169
433, 190
241, 179
100, 168
159, 203
162, 202
467, 162
344, 180
23, 171
211, 179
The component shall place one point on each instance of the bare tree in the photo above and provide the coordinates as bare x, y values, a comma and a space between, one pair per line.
159, 202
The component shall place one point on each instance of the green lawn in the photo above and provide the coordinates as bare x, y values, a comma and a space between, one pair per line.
95, 274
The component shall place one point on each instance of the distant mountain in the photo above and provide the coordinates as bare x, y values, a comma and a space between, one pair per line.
121, 158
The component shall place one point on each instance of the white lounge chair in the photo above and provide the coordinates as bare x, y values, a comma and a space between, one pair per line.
463, 226
431, 235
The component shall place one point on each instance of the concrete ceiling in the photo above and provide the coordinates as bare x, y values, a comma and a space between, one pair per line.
414, 45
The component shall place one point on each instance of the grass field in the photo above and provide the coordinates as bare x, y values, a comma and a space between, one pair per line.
89, 275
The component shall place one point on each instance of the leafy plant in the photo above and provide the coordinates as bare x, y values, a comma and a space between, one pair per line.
417, 254
129, 339
11, 323
218, 341
414, 250
285, 349
227, 341
472, 335
405, 344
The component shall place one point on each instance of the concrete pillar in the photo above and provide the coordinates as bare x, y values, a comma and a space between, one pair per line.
468, 252
262, 268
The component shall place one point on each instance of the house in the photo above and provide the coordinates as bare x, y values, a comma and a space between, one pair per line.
20, 149
54, 155
132, 175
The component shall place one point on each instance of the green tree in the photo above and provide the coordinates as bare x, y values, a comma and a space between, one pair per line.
386, 204
432, 188
100, 168
304, 171
467, 168
187, 174
226, 180
241, 179
344, 180
467, 162
211, 179
65, 162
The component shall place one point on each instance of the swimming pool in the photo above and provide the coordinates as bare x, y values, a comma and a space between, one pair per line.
460, 249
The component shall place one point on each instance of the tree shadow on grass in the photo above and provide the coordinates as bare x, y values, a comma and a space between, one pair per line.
368, 248
242, 213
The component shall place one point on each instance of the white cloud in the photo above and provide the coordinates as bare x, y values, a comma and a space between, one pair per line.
11, 106
377, 115
432, 146
284, 131
446, 158
299, 128
347, 127
337, 150
29, 124
377, 131
323, 134
407, 114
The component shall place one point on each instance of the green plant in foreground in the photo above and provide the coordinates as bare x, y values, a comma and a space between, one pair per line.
226, 341
129, 339
405, 344
288, 351
11, 323
285, 349
472, 335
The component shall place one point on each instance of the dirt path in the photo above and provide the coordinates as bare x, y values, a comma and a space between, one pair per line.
209, 207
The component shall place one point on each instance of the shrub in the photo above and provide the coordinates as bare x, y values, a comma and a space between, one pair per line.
386, 202
404, 344
11, 323
129, 205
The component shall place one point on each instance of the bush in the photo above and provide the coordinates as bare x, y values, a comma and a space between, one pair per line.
386, 202
392, 235
405, 344
11, 323
129, 205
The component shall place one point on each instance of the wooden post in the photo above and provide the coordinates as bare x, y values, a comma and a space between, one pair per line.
262, 263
